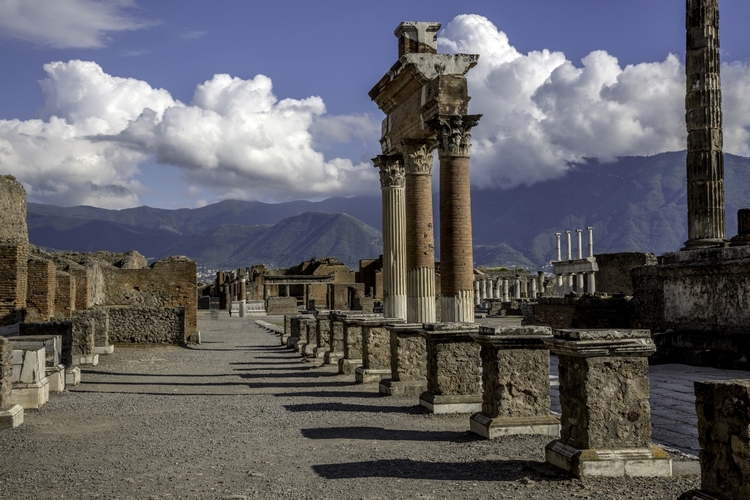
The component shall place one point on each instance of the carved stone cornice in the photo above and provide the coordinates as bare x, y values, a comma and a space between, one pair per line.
391, 170
454, 133
418, 157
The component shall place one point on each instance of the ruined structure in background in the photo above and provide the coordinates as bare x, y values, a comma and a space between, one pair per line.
425, 99
14, 244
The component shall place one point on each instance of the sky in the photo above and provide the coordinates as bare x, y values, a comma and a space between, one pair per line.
183, 103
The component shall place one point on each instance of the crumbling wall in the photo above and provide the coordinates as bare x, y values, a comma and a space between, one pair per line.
40, 290
13, 211
614, 270
281, 305
83, 334
65, 294
6, 371
581, 312
13, 276
140, 324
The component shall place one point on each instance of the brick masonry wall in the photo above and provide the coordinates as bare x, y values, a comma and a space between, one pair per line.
65, 294
82, 277
13, 276
139, 324
40, 290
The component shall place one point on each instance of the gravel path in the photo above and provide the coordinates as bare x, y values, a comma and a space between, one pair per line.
241, 417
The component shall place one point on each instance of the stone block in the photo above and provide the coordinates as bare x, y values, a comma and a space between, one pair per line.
28, 365
56, 377
453, 381
72, 376
347, 366
86, 360
109, 349
376, 350
30, 396
52, 344
11, 417
408, 361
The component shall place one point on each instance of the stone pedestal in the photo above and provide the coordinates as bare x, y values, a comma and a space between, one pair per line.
352, 353
606, 417
453, 382
723, 409
72, 376
515, 377
376, 350
408, 361
322, 333
11, 414
31, 396
56, 377
11, 417
336, 340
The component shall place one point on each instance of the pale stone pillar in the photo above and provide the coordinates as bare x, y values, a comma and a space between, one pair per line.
286, 291
559, 285
559, 250
603, 435
420, 239
540, 278
591, 241
579, 282
592, 282
498, 289
477, 295
568, 283
570, 245
532, 288
242, 296
580, 243
703, 118
392, 186
456, 253
505, 290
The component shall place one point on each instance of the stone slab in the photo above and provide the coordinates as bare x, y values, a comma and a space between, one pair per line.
469, 403
347, 366
11, 417
319, 352
30, 396
492, 428
631, 462
109, 349
86, 360
72, 376
364, 375
332, 358
56, 377
390, 387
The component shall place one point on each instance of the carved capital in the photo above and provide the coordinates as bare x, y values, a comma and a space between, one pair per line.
391, 170
454, 133
418, 157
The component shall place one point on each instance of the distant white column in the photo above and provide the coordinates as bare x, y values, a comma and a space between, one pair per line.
540, 278
497, 286
532, 288
559, 285
592, 283
477, 296
517, 288
505, 290
579, 284
580, 243
570, 246
591, 241
559, 251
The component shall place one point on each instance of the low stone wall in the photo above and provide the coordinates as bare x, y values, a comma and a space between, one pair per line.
153, 325
581, 312
614, 270
100, 315
281, 305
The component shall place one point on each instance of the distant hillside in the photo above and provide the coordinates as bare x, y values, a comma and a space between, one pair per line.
634, 204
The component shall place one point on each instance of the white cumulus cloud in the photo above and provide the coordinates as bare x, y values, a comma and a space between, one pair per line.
541, 111
235, 137
67, 23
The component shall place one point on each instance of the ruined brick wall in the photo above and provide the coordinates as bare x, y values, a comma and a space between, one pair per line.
6, 371
12, 211
140, 324
339, 295
65, 294
82, 277
370, 274
13, 275
40, 290
583, 312
614, 270
170, 282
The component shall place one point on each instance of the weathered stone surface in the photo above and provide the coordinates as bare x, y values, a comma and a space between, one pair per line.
83, 333
723, 409
452, 359
323, 329
12, 211
6, 372
352, 340
614, 270
281, 305
155, 325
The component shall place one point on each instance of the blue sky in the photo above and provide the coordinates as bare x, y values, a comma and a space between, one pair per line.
135, 113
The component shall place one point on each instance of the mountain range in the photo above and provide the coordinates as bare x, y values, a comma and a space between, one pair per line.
633, 204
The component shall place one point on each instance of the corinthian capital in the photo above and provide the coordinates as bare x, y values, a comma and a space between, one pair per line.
454, 133
418, 156
391, 170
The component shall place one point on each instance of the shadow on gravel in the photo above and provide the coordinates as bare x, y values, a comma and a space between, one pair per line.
348, 407
490, 470
330, 394
166, 384
306, 374
382, 434
180, 394
275, 368
149, 374
259, 385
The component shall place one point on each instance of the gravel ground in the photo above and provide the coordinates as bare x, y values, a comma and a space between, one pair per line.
241, 417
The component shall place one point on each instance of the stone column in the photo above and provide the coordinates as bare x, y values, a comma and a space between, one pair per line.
456, 253
591, 241
453, 382
559, 251
579, 282
570, 245
540, 279
477, 295
724, 439
392, 186
606, 417
517, 288
243, 296
420, 239
505, 290
703, 118
592, 283
532, 288
515, 376
579, 233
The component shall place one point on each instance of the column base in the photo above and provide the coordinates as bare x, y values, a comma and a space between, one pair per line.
464, 403
491, 428
631, 462
292, 342
318, 352
11, 417
332, 357
56, 377
697, 495
300, 348
347, 366
72, 376
389, 387
30, 396
86, 360
364, 375
284, 339
109, 349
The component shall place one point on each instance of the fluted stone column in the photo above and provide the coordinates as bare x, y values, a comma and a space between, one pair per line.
392, 184
477, 295
517, 288
456, 253
705, 158
540, 278
420, 238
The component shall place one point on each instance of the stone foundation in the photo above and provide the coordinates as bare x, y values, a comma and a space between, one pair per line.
352, 353
322, 333
151, 325
376, 350
408, 361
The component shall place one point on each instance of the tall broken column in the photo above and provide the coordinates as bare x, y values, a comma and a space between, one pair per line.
420, 242
705, 158
394, 235
456, 253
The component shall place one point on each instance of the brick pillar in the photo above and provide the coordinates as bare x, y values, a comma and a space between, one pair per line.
40, 290
420, 239
13, 276
65, 294
456, 254
705, 158
392, 186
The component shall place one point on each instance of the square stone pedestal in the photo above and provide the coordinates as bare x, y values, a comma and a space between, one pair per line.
376, 350
56, 377
515, 379
351, 339
348, 366
72, 376
322, 333
408, 361
606, 417
86, 360
106, 350
11, 417
453, 383
31, 396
